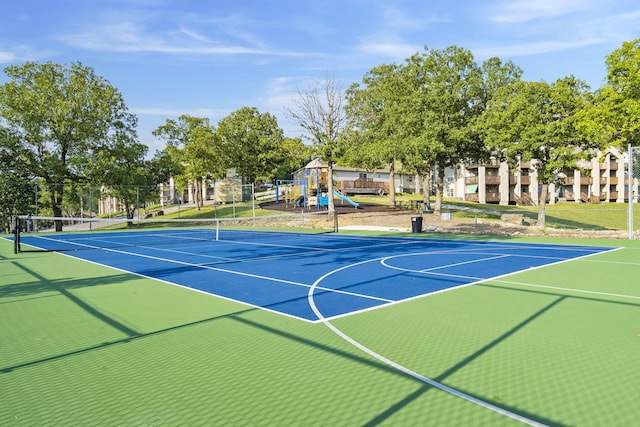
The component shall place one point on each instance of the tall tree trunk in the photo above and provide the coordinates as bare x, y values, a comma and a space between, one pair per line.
56, 191
426, 188
392, 184
439, 190
129, 212
197, 190
542, 204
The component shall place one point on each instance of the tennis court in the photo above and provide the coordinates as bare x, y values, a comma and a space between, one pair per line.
202, 326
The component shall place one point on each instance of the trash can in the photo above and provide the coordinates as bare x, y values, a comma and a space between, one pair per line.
416, 224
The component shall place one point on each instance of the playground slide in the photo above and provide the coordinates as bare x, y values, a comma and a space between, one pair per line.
346, 199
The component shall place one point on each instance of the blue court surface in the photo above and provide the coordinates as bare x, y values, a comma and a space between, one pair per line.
307, 276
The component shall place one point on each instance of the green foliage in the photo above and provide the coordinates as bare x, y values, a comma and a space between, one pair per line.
16, 191
286, 156
122, 168
193, 152
536, 121
422, 113
193, 148
251, 141
377, 109
61, 117
445, 87
613, 118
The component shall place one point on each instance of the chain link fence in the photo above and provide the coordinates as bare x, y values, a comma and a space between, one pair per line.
133, 201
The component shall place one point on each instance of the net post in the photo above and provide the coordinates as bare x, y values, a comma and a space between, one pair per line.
217, 229
15, 223
630, 193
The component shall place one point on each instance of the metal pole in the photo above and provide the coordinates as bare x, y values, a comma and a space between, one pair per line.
630, 195
138, 203
253, 202
90, 204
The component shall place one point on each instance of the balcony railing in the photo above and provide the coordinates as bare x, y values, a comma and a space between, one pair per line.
492, 197
492, 180
584, 180
612, 180
489, 197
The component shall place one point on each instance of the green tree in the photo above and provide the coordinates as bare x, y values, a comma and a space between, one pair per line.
481, 85
127, 175
17, 189
379, 124
319, 111
537, 121
249, 140
192, 144
612, 120
61, 116
446, 87
286, 157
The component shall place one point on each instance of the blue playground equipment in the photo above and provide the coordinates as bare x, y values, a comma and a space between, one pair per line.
346, 199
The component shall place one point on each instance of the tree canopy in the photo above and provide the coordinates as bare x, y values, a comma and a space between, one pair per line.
250, 141
63, 124
613, 118
194, 148
537, 121
61, 116
379, 121
421, 113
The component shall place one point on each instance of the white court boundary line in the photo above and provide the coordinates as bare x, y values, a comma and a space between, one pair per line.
395, 365
222, 270
402, 368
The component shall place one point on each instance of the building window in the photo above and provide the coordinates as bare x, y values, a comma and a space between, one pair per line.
362, 176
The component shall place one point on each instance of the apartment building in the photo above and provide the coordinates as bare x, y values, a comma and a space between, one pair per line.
601, 179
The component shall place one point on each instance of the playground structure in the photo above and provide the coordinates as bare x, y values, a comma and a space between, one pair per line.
309, 192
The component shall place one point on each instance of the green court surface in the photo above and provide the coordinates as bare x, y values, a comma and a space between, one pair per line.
82, 344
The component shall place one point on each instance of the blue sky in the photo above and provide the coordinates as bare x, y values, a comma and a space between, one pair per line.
210, 58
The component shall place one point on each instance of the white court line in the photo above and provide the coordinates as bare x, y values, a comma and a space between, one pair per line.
310, 250
224, 270
462, 263
557, 288
408, 371
402, 368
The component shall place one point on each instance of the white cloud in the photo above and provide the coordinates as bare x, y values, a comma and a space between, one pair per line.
395, 28
7, 57
615, 27
133, 37
389, 49
511, 12
22, 53
525, 49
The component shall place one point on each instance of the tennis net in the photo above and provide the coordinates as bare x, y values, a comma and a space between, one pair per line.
67, 233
